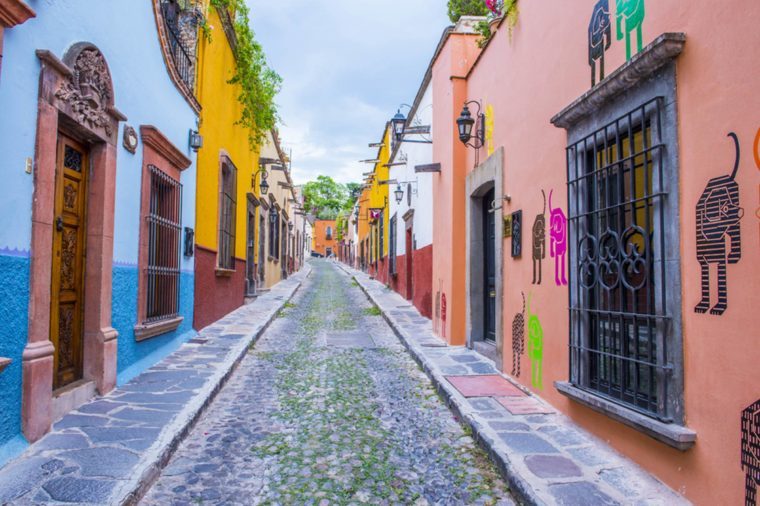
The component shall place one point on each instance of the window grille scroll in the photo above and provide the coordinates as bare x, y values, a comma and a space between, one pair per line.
618, 298
164, 231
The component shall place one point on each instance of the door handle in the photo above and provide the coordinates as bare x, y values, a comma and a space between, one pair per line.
59, 223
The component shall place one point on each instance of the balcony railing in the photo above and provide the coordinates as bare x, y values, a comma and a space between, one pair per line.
175, 14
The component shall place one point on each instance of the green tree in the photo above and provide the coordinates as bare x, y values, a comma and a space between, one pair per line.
354, 190
459, 8
324, 198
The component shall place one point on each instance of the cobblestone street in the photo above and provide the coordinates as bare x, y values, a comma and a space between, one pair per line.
328, 408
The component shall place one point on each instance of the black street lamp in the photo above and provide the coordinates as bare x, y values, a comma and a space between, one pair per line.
264, 186
398, 123
399, 194
465, 123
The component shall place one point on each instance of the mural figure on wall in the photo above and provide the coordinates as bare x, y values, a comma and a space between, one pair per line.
718, 217
518, 339
751, 451
631, 13
558, 241
757, 162
516, 234
599, 37
539, 242
535, 347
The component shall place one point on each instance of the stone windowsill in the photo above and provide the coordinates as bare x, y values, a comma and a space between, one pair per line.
4, 362
224, 273
641, 66
677, 436
153, 329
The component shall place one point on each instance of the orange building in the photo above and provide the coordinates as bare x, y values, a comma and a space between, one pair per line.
599, 239
323, 242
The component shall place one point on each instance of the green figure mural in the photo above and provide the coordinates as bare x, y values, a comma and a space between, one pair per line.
631, 13
535, 347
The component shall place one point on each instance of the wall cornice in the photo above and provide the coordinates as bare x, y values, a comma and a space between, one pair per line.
14, 12
152, 137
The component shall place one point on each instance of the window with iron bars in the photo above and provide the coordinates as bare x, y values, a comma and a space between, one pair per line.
274, 233
162, 287
620, 328
392, 246
227, 206
381, 235
181, 23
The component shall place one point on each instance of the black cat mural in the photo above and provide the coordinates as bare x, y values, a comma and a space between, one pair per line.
751, 451
718, 217
539, 242
599, 38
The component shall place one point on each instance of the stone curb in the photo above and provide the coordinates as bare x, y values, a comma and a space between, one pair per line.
519, 487
158, 456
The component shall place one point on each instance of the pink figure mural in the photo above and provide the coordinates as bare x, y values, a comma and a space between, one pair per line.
558, 242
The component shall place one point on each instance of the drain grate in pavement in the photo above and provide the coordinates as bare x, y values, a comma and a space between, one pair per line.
351, 339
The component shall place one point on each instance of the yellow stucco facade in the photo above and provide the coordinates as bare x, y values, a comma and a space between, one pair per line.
222, 136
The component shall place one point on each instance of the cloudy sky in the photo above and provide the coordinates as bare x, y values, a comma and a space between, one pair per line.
346, 66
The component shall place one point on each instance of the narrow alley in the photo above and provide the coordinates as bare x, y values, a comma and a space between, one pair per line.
328, 406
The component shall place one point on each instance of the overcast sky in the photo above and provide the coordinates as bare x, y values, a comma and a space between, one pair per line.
346, 66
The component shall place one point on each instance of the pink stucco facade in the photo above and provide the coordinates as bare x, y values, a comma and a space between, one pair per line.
527, 77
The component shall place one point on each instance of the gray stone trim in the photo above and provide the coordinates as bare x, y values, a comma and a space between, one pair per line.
489, 174
658, 53
671, 434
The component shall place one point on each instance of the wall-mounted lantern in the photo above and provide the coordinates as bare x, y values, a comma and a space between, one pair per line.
399, 194
196, 140
398, 122
290, 226
400, 130
465, 124
264, 186
272, 216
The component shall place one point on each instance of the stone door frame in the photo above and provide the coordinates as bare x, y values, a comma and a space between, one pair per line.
489, 174
75, 97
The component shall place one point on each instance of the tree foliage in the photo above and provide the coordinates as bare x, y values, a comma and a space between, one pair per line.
459, 8
324, 198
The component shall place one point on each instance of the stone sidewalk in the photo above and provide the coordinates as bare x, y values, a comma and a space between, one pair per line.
112, 448
544, 456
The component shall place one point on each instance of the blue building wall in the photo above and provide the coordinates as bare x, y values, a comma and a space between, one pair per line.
126, 34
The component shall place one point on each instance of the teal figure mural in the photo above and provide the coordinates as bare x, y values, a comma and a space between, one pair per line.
599, 38
535, 347
631, 14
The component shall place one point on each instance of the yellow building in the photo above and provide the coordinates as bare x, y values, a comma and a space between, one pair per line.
226, 204
373, 213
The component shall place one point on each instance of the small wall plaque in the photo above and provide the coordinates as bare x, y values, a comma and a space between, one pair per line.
130, 139
517, 234
507, 225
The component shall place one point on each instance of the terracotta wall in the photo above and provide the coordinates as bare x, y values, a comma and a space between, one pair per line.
529, 75
215, 296
320, 242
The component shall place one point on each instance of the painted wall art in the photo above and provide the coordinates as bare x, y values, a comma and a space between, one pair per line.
750, 447
538, 247
719, 233
629, 18
518, 339
535, 347
516, 234
756, 152
599, 38
557, 241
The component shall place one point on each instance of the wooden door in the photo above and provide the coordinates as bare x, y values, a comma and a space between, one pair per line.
250, 252
489, 267
67, 297
409, 263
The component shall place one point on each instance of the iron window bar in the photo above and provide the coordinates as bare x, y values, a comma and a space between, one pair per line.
164, 246
617, 279
227, 217
181, 55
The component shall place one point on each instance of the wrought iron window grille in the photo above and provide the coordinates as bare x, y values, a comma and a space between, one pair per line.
619, 326
227, 207
164, 246
392, 246
181, 20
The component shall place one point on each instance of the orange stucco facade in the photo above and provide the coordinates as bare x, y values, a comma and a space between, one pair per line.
324, 237
526, 76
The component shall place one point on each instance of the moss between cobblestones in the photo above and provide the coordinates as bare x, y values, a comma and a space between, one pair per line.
336, 447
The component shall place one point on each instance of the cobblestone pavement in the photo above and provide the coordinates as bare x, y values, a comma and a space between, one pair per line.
328, 408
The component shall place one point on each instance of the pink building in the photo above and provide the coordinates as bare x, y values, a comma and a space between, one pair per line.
615, 214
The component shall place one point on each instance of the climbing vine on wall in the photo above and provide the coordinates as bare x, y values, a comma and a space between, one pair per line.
258, 82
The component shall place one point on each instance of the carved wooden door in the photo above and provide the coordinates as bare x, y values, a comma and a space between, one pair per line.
67, 297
